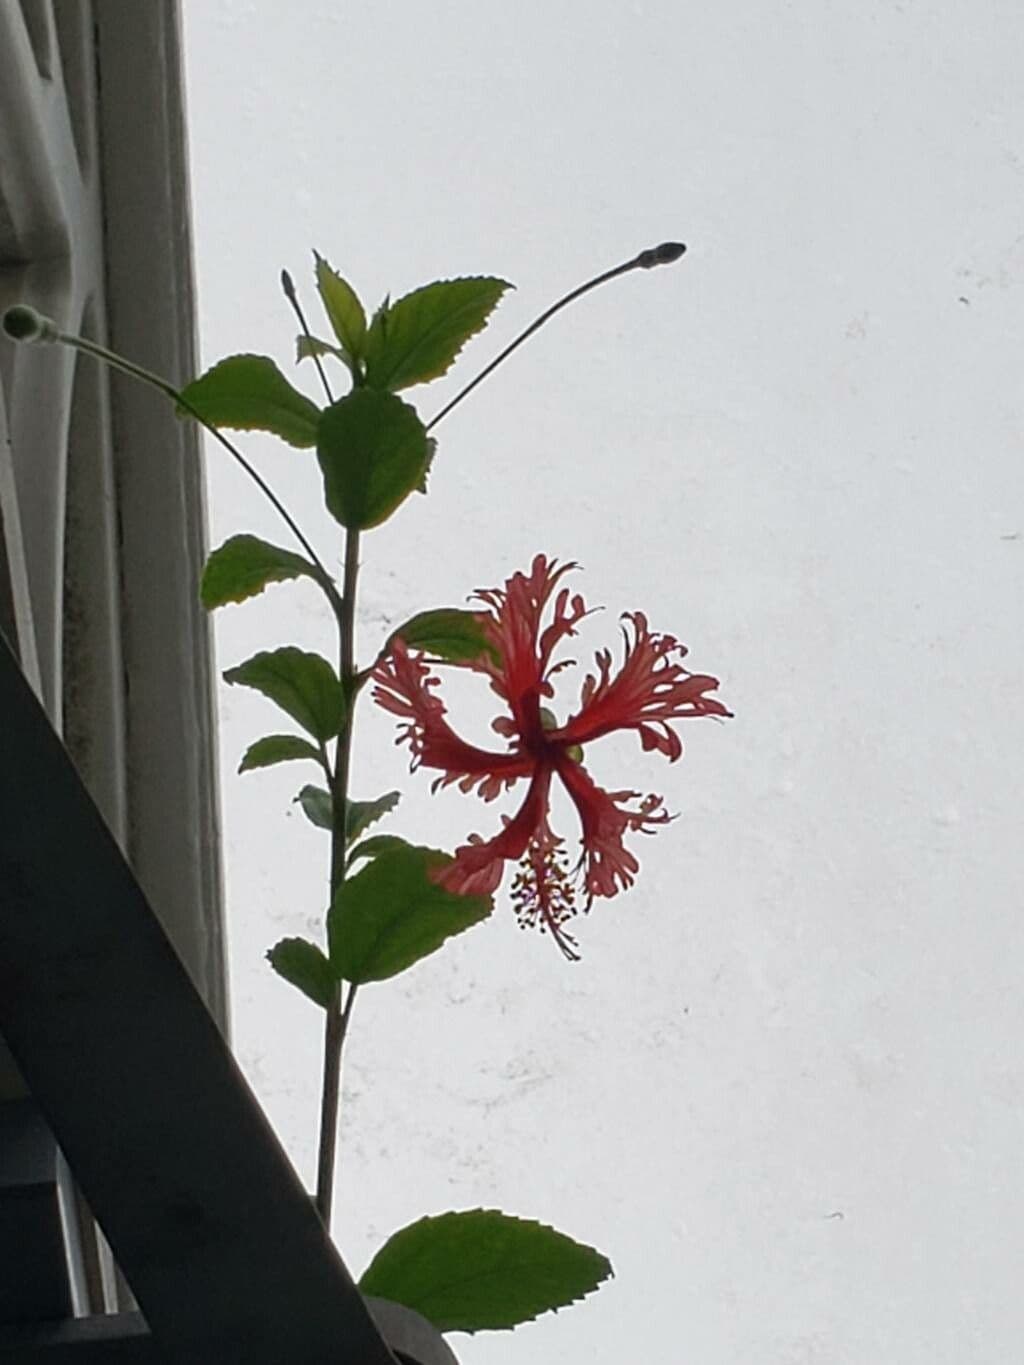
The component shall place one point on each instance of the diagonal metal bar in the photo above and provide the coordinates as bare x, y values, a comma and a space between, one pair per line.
212, 1227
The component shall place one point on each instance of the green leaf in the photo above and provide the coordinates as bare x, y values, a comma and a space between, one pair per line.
249, 393
448, 633
343, 309
373, 452
417, 338
316, 806
421, 487
243, 566
305, 966
359, 815
376, 845
391, 914
306, 347
481, 1270
304, 685
273, 749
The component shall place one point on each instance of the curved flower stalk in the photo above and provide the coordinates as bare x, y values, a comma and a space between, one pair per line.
649, 693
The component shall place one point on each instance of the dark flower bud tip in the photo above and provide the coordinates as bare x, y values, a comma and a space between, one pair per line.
22, 323
287, 285
661, 255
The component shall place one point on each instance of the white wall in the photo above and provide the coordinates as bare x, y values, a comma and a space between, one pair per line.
783, 1091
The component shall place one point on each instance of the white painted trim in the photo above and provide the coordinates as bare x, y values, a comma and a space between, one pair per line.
101, 490
173, 837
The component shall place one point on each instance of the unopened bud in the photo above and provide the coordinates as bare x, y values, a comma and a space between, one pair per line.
661, 255
22, 323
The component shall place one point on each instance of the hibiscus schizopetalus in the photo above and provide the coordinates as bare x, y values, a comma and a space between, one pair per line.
392, 902
648, 693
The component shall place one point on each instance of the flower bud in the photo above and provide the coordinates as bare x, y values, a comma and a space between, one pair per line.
664, 254
22, 323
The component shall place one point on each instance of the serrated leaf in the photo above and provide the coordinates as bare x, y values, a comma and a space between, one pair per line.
305, 685
271, 749
243, 566
448, 633
373, 452
249, 393
391, 914
360, 815
306, 347
304, 965
343, 309
417, 338
483, 1270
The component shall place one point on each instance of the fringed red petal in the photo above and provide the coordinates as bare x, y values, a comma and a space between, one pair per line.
650, 690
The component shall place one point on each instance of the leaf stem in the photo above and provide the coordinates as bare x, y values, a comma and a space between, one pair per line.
288, 287
664, 254
336, 1022
155, 381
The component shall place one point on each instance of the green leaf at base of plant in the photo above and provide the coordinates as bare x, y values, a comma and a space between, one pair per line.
482, 1270
392, 913
304, 965
271, 749
243, 566
302, 684
448, 633
373, 453
249, 393
416, 338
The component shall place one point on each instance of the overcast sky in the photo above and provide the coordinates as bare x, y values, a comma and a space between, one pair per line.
783, 1090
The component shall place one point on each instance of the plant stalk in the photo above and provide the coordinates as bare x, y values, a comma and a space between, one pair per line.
288, 288
338, 1014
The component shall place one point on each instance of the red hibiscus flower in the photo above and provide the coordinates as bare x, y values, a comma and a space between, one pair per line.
647, 694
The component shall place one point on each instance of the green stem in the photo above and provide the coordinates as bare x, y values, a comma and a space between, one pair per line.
664, 254
334, 1040
338, 1014
163, 386
336, 1022
288, 287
